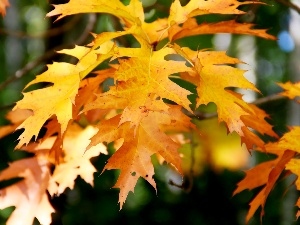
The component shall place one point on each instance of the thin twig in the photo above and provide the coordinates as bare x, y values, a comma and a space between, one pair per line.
89, 27
267, 99
290, 5
49, 54
49, 33
260, 101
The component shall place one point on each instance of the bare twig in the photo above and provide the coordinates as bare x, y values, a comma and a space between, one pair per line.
49, 54
289, 4
89, 27
267, 99
260, 101
48, 33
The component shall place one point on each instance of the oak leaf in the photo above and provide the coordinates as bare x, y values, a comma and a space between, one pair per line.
132, 13
27, 195
3, 5
75, 161
191, 27
15, 118
60, 96
134, 111
179, 14
210, 67
141, 83
291, 90
267, 173
133, 157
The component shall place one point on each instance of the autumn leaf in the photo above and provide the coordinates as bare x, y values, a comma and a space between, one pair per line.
267, 173
256, 123
75, 160
211, 66
132, 13
179, 14
59, 98
27, 195
191, 27
60, 95
133, 157
291, 141
141, 83
15, 118
291, 90
3, 5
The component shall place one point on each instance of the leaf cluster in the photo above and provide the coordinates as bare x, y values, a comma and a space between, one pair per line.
145, 113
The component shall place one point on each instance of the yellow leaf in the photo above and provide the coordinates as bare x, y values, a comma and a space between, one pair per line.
291, 90
56, 99
130, 13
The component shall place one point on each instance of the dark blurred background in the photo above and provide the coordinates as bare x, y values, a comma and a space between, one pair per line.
28, 41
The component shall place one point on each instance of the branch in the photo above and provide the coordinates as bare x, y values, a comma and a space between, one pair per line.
49, 54
48, 33
260, 101
267, 99
289, 4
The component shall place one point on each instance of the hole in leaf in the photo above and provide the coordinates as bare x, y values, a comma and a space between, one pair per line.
39, 85
127, 40
133, 174
10, 182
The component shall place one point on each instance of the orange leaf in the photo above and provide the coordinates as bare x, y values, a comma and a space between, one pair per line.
133, 157
3, 5
28, 195
260, 199
191, 27
179, 14
15, 118
267, 173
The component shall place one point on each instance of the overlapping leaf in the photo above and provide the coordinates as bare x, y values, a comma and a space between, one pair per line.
291, 90
214, 78
133, 13
191, 28
3, 5
28, 195
179, 14
57, 98
133, 158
